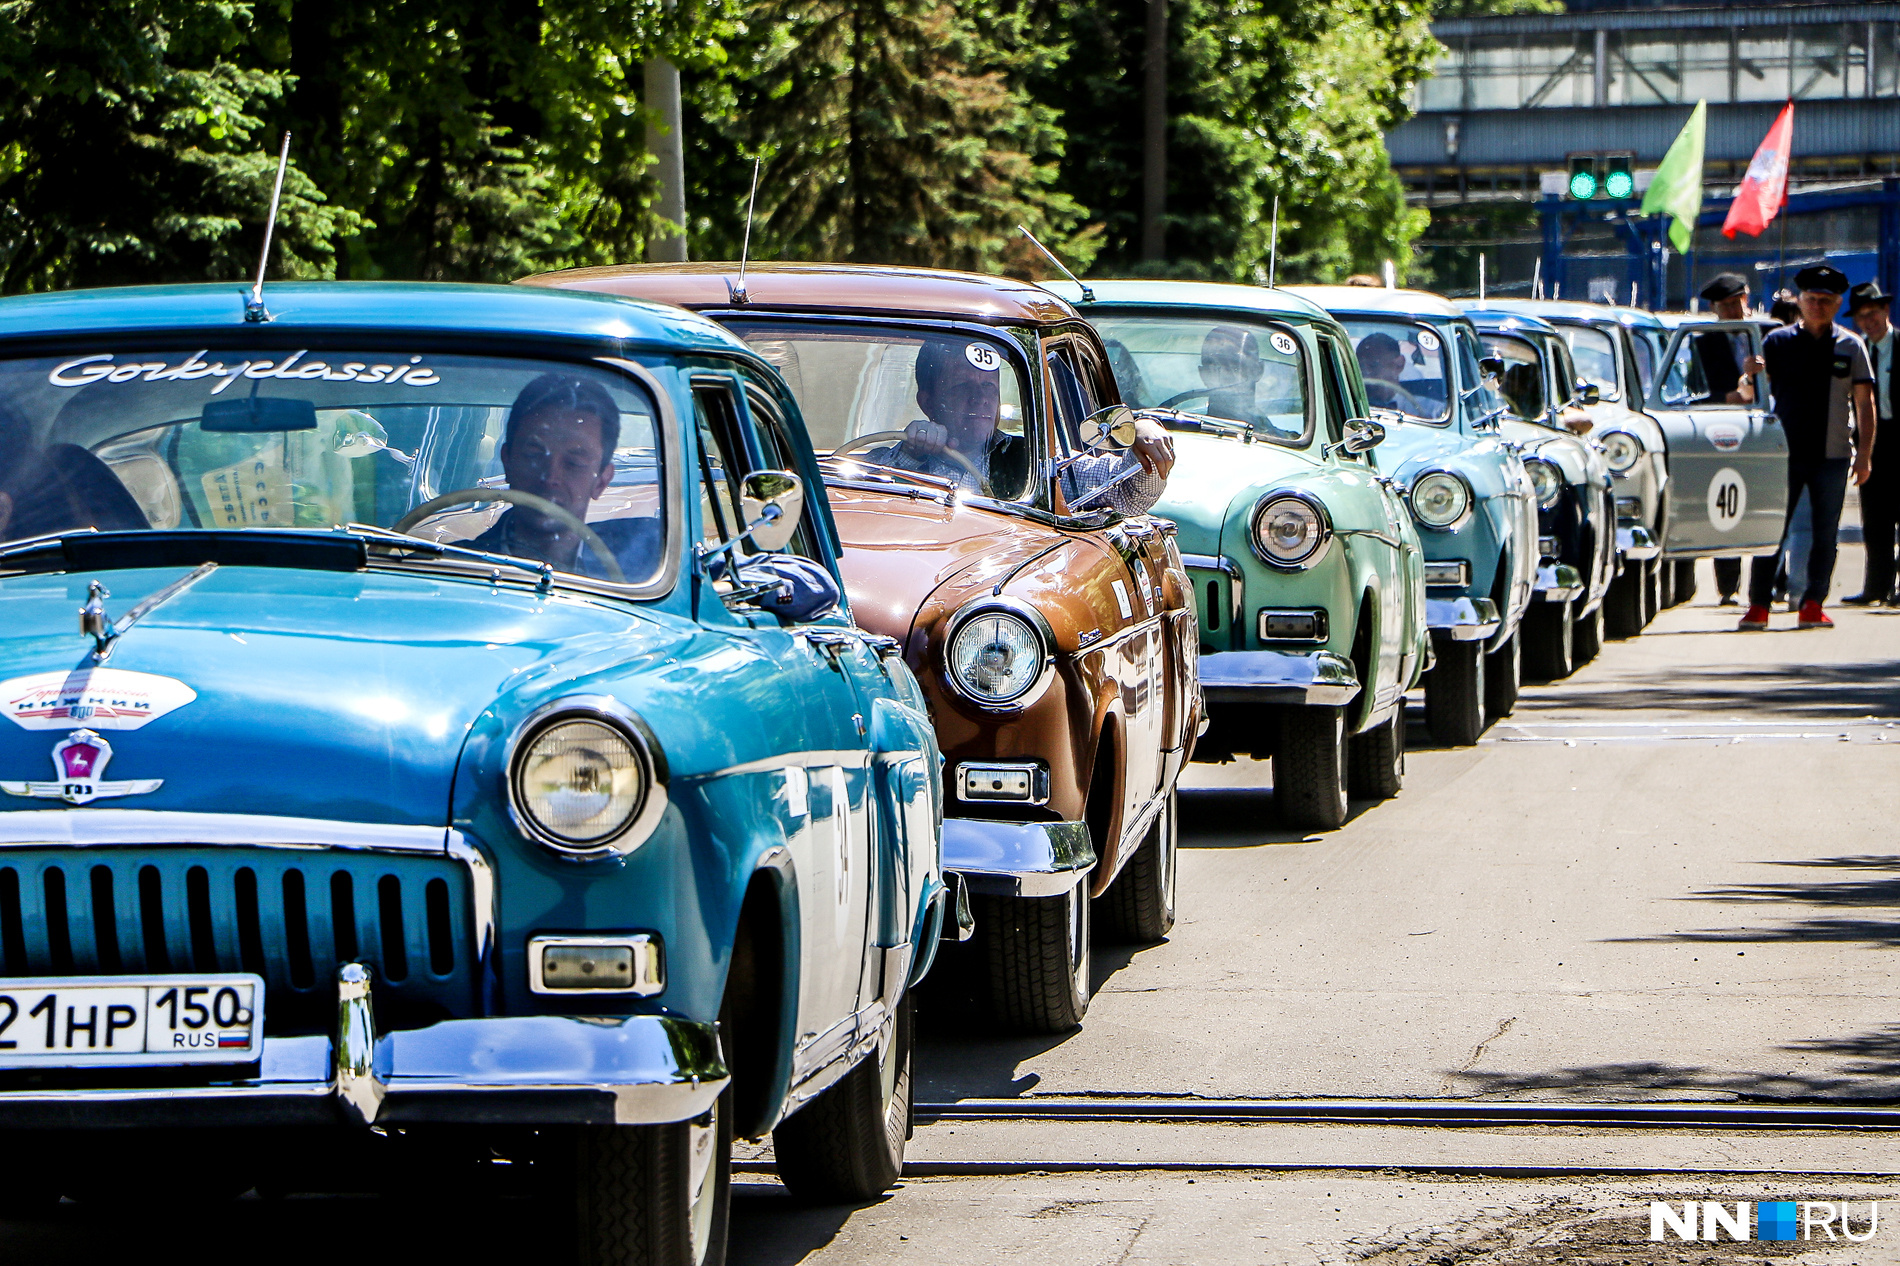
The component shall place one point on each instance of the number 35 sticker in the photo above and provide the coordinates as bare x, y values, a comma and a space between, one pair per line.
983, 356
1728, 499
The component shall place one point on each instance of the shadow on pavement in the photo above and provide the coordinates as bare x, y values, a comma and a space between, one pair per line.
771, 1228
1243, 817
1877, 888
1781, 690
1644, 1081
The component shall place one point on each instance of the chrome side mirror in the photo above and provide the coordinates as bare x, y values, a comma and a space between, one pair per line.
1491, 366
773, 502
1110, 428
1362, 434
1588, 393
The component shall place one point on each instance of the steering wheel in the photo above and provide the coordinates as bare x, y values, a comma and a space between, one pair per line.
886, 437
1179, 396
540, 505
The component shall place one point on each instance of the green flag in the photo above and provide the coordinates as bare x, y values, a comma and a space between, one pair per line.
1677, 188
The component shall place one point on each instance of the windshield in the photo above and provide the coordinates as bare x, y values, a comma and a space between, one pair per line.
1522, 382
1404, 367
1595, 352
1245, 371
540, 460
1649, 350
861, 388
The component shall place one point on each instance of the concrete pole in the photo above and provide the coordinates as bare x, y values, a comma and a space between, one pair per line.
1154, 135
669, 169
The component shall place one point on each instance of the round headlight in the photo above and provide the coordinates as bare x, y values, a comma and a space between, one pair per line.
1546, 480
1622, 450
1440, 499
580, 782
996, 657
1288, 531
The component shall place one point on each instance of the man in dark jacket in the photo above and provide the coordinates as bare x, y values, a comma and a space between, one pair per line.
1871, 307
1727, 363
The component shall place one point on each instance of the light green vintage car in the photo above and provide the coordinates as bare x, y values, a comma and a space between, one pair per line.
1307, 569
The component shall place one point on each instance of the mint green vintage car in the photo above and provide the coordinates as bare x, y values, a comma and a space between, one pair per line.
1307, 569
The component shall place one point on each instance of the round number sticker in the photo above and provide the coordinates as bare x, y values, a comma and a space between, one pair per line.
1428, 340
983, 356
1282, 343
1728, 499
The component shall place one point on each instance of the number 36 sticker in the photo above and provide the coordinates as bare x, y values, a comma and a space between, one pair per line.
1728, 499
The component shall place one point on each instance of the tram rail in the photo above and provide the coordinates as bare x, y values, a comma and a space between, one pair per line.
1435, 1113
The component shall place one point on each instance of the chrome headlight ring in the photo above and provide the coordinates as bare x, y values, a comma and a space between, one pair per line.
1273, 520
1043, 663
1547, 481
1621, 450
620, 722
1440, 499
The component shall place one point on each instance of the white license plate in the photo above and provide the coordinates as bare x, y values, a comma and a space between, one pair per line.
87, 1021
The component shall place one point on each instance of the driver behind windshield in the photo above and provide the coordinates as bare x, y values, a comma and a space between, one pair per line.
558, 446
958, 439
1382, 363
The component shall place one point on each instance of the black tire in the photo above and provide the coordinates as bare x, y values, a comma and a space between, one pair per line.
1503, 674
1309, 768
1586, 637
642, 1197
1375, 765
1036, 952
847, 1145
1685, 580
1138, 908
1455, 694
1665, 587
1549, 637
1623, 603
1652, 589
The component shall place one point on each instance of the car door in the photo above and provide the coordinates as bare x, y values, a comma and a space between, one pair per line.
1728, 463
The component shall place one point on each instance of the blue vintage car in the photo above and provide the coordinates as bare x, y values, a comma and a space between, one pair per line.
462, 735
1467, 488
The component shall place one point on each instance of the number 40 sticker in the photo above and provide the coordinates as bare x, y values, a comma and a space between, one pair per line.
1728, 499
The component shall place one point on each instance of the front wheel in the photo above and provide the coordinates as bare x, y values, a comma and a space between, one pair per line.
1652, 589
1376, 760
848, 1143
1549, 634
1623, 603
1309, 768
1455, 694
1503, 674
1685, 579
1586, 637
1036, 950
1138, 908
655, 1195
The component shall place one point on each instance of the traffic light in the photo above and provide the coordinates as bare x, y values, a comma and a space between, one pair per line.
1618, 180
1583, 177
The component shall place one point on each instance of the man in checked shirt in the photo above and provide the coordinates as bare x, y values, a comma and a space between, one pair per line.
959, 438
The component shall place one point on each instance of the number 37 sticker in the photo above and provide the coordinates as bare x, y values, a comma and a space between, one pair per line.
1728, 499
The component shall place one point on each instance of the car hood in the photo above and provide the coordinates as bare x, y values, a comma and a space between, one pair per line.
1410, 447
900, 549
1213, 475
297, 693
1560, 448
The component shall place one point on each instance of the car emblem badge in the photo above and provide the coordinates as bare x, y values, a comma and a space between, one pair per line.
79, 760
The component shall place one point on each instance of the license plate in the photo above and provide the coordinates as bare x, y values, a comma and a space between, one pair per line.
88, 1021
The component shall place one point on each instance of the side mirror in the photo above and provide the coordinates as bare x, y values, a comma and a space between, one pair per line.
1112, 428
773, 502
1589, 393
1362, 434
1491, 366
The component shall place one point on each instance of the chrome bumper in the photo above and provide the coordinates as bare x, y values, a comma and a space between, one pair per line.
1462, 619
522, 1070
1017, 859
1314, 678
1557, 582
1635, 541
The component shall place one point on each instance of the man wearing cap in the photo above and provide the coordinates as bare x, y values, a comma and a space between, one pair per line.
1824, 395
1728, 366
1871, 307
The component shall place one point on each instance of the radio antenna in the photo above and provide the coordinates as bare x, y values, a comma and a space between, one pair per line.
254, 309
1273, 244
745, 250
1088, 296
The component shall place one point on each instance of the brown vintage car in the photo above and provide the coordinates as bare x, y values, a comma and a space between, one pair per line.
1056, 640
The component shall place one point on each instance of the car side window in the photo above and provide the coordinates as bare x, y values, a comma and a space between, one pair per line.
1070, 402
721, 460
1566, 388
1338, 393
775, 447
1480, 400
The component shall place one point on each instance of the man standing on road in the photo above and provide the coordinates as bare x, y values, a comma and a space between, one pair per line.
1824, 395
1725, 368
1871, 308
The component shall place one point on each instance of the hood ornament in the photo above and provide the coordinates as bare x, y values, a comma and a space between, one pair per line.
105, 632
79, 760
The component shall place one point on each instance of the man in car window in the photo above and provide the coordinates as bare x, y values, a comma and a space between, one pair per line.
958, 439
1382, 362
559, 446
1728, 364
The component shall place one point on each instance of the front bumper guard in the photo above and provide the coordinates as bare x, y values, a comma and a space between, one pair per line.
1462, 619
1311, 678
1557, 582
1017, 859
1635, 541
514, 1070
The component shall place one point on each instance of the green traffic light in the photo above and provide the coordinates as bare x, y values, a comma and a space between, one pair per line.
1583, 185
1619, 184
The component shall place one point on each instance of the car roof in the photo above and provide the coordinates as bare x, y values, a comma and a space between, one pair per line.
343, 306
1190, 294
1676, 320
1493, 319
1574, 310
790, 287
1378, 300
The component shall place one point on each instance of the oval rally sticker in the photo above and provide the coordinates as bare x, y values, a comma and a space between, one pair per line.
1428, 340
1726, 436
1728, 499
983, 356
1282, 343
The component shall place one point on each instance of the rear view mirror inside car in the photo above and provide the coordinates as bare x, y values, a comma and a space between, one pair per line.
259, 413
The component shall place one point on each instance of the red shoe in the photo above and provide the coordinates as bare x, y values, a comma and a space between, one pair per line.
1756, 619
1812, 617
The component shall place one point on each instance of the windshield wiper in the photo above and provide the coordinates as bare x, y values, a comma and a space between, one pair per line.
402, 540
878, 473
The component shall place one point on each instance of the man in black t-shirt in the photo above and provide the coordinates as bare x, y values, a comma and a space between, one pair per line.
1823, 388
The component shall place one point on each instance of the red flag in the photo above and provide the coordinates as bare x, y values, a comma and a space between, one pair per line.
1764, 190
